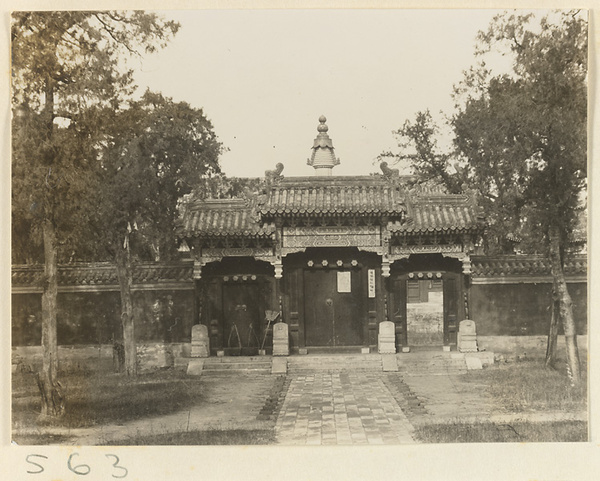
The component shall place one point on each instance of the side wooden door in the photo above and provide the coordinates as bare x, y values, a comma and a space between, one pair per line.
452, 294
397, 308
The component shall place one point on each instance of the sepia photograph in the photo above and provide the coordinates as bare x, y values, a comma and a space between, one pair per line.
299, 227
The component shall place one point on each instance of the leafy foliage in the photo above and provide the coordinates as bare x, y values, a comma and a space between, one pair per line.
519, 138
68, 75
527, 132
159, 150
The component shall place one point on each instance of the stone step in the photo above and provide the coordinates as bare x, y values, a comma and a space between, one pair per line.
432, 366
335, 362
329, 365
336, 357
258, 364
422, 367
238, 366
338, 366
237, 359
433, 373
357, 362
218, 372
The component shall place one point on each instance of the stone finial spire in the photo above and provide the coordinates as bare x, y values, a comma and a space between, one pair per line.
323, 157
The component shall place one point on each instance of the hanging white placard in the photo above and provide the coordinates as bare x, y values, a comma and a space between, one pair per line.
371, 283
344, 281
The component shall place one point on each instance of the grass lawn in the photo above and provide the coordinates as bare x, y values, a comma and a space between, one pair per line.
561, 431
195, 438
529, 386
93, 397
519, 388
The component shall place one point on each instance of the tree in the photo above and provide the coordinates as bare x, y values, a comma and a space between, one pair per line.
67, 72
520, 142
158, 151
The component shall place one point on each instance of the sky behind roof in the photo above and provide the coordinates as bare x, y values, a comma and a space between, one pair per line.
263, 77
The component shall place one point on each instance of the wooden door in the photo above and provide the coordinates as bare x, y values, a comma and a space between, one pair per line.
242, 320
451, 307
397, 308
425, 312
333, 308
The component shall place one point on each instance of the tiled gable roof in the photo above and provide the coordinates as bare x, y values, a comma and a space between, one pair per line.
441, 212
414, 211
365, 195
222, 217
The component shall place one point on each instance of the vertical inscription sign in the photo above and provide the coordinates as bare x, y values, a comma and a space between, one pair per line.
371, 283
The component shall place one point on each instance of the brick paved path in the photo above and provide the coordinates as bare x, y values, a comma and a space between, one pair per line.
341, 408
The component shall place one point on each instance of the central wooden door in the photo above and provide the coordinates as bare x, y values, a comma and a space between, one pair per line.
241, 327
333, 308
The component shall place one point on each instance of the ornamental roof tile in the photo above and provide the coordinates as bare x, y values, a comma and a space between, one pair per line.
408, 211
221, 218
524, 265
102, 274
364, 195
440, 212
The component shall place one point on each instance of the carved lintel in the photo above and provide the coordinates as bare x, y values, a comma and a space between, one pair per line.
200, 262
464, 258
219, 253
397, 257
447, 250
454, 255
376, 249
291, 250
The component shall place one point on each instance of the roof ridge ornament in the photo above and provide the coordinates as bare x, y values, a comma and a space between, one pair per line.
389, 173
323, 158
273, 176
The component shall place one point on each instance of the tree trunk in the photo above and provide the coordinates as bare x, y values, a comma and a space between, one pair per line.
125, 275
553, 334
565, 306
50, 388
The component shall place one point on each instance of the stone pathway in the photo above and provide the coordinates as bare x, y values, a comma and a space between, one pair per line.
341, 408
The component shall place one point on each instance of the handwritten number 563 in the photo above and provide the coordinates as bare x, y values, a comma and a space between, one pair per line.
79, 469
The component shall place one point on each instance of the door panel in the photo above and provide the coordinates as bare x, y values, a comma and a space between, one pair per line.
451, 297
241, 326
397, 309
425, 318
332, 318
318, 313
451, 288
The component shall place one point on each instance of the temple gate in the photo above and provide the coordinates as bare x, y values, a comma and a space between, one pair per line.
335, 256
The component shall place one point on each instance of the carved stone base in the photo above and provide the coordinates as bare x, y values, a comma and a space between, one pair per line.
386, 346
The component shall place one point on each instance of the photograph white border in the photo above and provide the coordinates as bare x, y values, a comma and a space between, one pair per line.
518, 461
